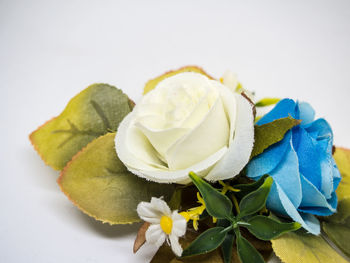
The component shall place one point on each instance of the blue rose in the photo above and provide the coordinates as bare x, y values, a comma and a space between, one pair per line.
304, 171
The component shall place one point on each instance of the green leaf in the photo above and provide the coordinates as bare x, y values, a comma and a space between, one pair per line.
266, 228
151, 84
342, 158
226, 247
299, 247
246, 252
267, 102
247, 188
217, 204
255, 201
92, 113
206, 242
271, 133
337, 226
100, 185
165, 254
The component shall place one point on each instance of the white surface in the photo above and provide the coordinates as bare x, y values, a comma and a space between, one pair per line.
50, 50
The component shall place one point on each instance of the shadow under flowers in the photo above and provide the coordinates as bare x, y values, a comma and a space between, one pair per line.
107, 230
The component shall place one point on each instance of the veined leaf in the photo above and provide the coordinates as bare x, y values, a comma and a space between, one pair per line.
267, 102
217, 204
246, 252
342, 158
255, 201
206, 242
337, 226
101, 186
271, 133
93, 112
299, 247
266, 228
151, 84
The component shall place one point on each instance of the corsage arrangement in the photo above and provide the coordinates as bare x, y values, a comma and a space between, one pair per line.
213, 179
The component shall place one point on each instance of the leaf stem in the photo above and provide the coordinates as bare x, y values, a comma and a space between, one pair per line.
235, 202
227, 229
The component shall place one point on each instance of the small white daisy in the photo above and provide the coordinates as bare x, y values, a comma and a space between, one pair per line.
165, 225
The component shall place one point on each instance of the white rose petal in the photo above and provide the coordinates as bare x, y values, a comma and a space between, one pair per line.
241, 146
187, 123
190, 149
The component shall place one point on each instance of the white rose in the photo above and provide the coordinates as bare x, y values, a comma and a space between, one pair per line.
187, 123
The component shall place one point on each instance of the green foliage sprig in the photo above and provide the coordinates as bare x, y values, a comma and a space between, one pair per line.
229, 226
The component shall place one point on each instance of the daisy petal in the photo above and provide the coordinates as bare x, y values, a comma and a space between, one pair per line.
175, 245
161, 206
148, 213
155, 235
179, 224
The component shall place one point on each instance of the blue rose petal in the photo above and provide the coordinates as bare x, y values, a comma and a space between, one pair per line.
308, 221
265, 163
302, 166
312, 198
306, 113
336, 175
291, 184
284, 108
309, 156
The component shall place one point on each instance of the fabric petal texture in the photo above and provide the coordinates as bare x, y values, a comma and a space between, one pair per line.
238, 153
188, 122
175, 245
148, 212
179, 224
304, 171
155, 235
153, 212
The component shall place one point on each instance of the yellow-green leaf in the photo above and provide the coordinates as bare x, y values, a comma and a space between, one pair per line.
299, 247
100, 185
342, 158
267, 102
151, 84
337, 226
93, 112
271, 133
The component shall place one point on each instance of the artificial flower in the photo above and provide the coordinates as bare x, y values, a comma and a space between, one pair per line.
230, 80
187, 123
164, 224
304, 171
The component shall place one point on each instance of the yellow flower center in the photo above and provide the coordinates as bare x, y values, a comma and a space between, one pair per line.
166, 223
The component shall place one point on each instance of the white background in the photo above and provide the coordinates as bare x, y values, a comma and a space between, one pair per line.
51, 50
